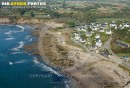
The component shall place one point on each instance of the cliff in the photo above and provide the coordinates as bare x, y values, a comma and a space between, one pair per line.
5, 20
21, 20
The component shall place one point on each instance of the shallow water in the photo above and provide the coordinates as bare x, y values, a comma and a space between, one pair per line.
22, 70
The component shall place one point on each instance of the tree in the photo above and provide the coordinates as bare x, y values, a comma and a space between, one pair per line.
71, 24
64, 4
32, 14
22, 12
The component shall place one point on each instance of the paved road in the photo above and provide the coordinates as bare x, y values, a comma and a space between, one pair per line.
114, 56
107, 46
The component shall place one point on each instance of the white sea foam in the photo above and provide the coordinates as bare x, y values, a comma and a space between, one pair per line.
9, 38
19, 62
36, 61
21, 27
17, 52
8, 33
10, 63
44, 67
51, 70
21, 44
67, 86
27, 37
30, 40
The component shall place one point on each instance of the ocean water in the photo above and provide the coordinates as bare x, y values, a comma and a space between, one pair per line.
19, 69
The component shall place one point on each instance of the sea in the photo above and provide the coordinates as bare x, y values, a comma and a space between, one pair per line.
20, 69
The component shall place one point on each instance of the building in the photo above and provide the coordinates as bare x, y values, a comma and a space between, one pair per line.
126, 25
82, 40
98, 43
89, 34
113, 24
77, 37
123, 45
94, 28
97, 36
101, 30
109, 32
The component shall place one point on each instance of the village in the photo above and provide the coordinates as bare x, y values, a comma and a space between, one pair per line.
95, 34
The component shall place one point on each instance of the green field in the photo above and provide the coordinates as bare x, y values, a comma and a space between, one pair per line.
101, 20
123, 54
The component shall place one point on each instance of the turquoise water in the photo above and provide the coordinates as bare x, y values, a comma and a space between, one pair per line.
19, 69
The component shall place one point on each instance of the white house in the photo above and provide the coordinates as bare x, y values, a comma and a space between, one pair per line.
77, 37
126, 25
98, 43
83, 29
109, 32
76, 34
94, 28
82, 40
113, 24
106, 23
97, 36
89, 34
101, 30
98, 25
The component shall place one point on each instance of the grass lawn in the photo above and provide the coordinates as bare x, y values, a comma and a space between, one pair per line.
123, 54
104, 37
14, 15
102, 20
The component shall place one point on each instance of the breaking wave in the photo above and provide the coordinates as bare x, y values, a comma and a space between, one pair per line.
21, 28
27, 37
21, 44
9, 38
17, 52
36, 61
19, 62
44, 67
67, 86
30, 40
8, 33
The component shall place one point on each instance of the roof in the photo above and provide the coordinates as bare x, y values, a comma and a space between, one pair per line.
122, 44
105, 53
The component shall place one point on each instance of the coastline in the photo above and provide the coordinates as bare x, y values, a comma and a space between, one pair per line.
36, 31
41, 30
88, 70
74, 82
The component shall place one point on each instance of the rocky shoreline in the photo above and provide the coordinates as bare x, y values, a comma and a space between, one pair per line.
56, 55
86, 70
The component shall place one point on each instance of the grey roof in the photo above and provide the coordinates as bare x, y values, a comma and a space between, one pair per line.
122, 44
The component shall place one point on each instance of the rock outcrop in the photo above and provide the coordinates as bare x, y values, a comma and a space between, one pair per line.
21, 20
